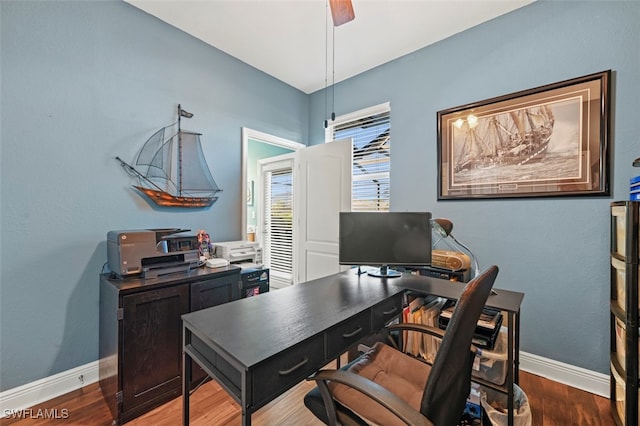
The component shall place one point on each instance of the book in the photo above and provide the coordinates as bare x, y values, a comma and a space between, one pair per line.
487, 328
488, 318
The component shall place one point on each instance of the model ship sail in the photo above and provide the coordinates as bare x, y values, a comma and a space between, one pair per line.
172, 170
515, 138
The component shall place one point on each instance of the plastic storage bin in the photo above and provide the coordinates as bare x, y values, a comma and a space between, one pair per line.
620, 393
619, 231
619, 277
621, 350
619, 213
491, 365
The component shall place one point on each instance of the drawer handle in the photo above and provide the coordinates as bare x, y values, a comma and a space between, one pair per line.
390, 311
294, 368
353, 333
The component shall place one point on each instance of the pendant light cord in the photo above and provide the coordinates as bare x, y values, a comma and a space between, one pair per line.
326, 60
333, 76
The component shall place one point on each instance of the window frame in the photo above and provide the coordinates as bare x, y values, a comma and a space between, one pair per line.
353, 116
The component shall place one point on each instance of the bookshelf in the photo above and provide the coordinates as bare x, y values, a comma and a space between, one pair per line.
624, 258
497, 369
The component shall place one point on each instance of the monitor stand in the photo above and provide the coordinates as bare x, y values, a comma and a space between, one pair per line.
384, 272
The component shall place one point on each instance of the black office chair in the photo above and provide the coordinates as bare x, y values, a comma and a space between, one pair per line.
405, 389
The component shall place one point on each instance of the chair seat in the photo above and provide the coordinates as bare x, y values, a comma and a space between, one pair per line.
313, 401
397, 372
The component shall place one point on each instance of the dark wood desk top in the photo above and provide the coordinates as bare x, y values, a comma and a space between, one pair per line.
505, 300
256, 328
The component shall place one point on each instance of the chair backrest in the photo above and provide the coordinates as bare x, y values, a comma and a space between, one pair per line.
449, 382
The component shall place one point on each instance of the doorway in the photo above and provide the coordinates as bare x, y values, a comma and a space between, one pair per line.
256, 146
319, 186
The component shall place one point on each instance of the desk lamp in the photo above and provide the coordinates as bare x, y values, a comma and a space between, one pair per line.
443, 228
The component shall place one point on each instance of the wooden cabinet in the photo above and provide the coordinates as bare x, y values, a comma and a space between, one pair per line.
141, 334
625, 265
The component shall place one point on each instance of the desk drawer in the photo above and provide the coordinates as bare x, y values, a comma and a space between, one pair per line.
340, 337
386, 311
279, 373
224, 372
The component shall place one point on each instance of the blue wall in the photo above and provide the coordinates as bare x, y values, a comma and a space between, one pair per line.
83, 82
554, 250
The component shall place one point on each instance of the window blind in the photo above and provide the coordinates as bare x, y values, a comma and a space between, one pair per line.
278, 247
370, 130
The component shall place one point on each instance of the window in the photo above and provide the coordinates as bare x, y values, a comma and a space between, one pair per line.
371, 132
278, 214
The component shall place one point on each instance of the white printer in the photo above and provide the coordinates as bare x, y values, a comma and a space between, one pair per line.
246, 254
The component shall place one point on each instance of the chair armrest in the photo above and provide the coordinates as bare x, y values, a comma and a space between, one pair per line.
412, 326
376, 392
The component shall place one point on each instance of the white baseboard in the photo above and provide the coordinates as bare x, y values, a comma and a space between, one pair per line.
42, 390
577, 377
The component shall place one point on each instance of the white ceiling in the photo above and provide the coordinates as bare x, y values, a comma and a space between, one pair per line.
291, 40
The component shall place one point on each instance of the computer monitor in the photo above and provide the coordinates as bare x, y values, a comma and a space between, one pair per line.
385, 239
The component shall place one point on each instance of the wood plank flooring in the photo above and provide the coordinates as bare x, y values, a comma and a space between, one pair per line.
552, 404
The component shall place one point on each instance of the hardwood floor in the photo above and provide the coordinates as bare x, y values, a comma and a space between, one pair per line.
555, 404
552, 404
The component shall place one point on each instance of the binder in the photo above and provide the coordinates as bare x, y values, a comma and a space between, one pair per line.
487, 329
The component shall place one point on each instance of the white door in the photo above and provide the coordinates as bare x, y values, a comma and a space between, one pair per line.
321, 188
323, 191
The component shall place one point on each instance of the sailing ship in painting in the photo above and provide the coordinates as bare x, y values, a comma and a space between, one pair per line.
171, 168
513, 138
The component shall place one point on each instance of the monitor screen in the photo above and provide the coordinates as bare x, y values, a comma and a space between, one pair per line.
385, 238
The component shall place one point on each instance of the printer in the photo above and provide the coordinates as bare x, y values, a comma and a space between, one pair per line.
151, 252
254, 277
246, 254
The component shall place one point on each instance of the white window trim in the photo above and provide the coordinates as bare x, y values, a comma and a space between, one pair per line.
376, 109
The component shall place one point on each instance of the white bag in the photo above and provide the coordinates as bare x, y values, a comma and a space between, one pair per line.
522, 411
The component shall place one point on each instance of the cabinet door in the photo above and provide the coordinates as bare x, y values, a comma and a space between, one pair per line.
208, 293
152, 345
213, 292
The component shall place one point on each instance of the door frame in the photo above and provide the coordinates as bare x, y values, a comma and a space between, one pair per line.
265, 138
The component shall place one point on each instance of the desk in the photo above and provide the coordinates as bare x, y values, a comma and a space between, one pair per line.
258, 348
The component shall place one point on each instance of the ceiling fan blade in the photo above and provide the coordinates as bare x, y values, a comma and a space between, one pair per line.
341, 11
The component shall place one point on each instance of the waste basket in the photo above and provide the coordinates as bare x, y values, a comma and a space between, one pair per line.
495, 404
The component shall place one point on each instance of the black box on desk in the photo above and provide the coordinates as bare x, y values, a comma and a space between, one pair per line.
254, 281
461, 275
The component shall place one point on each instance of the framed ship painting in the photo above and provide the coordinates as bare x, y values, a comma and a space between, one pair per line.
542, 142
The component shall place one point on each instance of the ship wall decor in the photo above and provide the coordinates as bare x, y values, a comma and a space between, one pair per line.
171, 168
515, 138
550, 140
